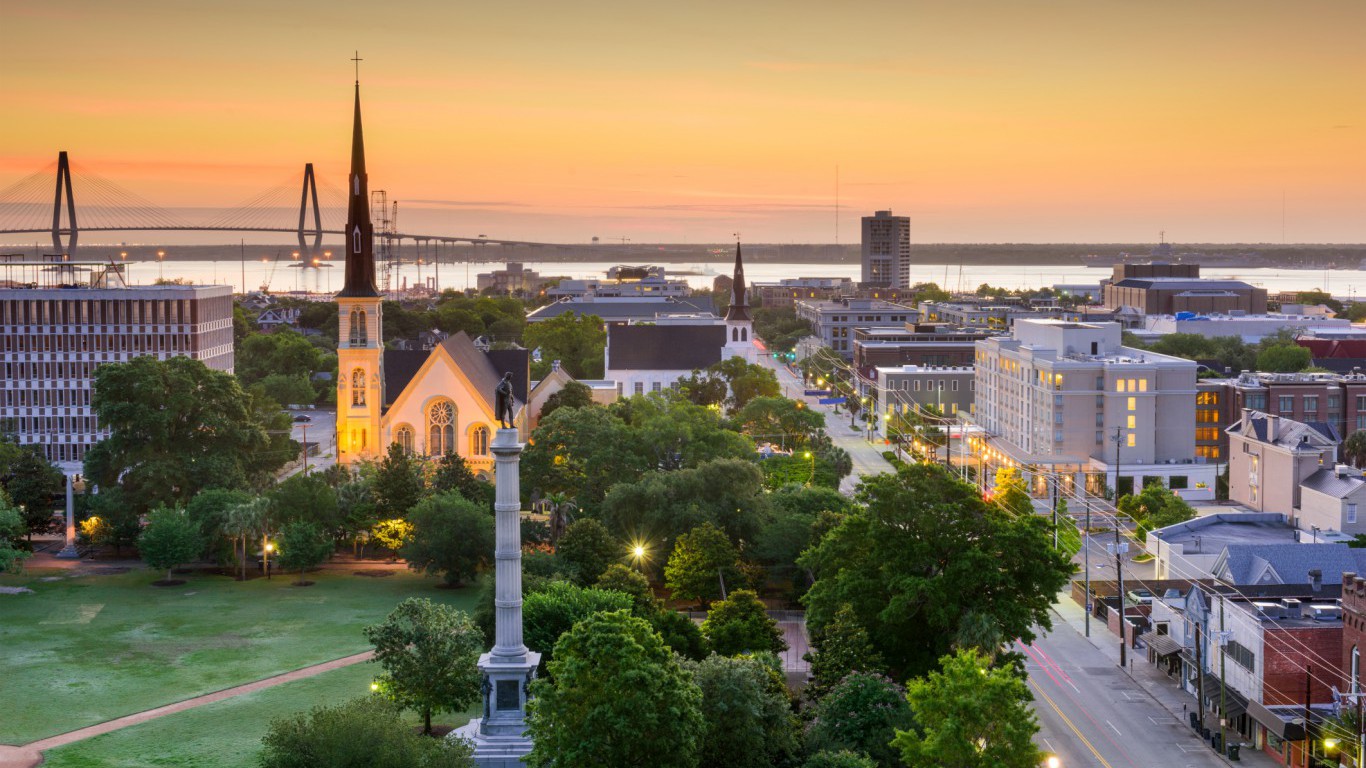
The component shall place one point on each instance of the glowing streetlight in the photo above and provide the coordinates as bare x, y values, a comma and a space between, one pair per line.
374, 687
266, 549
1053, 762
640, 554
812, 477
161, 266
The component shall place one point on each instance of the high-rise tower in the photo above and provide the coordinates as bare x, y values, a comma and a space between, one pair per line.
739, 323
360, 338
886, 251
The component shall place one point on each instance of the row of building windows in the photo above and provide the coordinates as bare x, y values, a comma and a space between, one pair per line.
101, 311
111, 342
44, 398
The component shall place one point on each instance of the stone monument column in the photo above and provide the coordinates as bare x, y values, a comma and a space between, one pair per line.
69, 551
499, 737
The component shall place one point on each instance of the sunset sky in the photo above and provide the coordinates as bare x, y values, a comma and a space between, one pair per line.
1042, 121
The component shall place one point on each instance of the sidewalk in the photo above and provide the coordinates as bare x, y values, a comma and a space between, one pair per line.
1155, 683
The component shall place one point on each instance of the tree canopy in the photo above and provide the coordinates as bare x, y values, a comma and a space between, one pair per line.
303, 545
700, 559
970, 713
924, 550
430, 655
169, 539
550, 612
577, 341
361, 733
177, 427
747, 716
740, 624
612, 683
574, 395
32, 483
451, 537
726, 493
861, 714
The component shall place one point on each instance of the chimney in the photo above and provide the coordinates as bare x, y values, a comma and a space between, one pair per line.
1273, 427
1292, 608
1315, 579
554, 365
1348, 579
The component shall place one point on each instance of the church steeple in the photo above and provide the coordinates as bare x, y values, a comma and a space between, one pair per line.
360, 252
739, 305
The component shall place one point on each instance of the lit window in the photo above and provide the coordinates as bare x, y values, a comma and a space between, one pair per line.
1119, 385
404, 437
358, 387
1133, 403
1133, 423
479, 441
1142, 385
441, 429
1131, 442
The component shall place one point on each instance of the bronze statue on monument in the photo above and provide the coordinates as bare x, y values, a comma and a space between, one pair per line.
503, 400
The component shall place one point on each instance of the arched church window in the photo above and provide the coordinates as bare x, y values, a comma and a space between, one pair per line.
735, 334
441, 428
358, 387
404, 437
744, 334
479, 441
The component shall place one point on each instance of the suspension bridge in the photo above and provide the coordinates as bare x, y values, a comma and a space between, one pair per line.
45, 202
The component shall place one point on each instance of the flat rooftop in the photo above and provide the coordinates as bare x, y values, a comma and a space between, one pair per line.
1215, 532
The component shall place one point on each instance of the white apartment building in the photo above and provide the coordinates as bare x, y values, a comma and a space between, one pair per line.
886, 250
1054, 395
834, 322
55, 332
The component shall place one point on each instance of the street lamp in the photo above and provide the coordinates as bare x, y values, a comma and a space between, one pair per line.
265, 557
639, 554
161, 266
812, 477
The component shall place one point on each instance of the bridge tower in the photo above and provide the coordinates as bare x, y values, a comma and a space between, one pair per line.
64, 183
310, 190
360, 356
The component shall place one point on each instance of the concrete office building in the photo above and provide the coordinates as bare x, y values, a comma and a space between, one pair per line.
60, 320
886, 250
834, 322
1053, 396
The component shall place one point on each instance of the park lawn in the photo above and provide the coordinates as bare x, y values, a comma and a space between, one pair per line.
80, 651
224, 734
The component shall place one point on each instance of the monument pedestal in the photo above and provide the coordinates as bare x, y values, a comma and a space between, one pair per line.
499, 737
69, 552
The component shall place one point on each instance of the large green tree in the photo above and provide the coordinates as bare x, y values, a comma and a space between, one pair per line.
303, 545
397, 486
1155, 507
842, 647
430, 654
210, 510
308, 498
11, 528
177, 427
284, 353
779, 420
740, 624
577, 341
701, 558
589, 548
862, 714
553, 610
727, 493
968, 714
362, 733
615, 696
32, 483
170, 538
452, 537
1283, 358
925, 551
581, 453
574, 395
453, 474
676, 433
746, 381
748, 716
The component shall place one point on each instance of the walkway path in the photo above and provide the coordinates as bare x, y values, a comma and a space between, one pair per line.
30, 755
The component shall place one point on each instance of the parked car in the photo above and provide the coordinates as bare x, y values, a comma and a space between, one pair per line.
302, 418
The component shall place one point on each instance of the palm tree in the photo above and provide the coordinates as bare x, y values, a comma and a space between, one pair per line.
1354, 449
242, 523
562, 509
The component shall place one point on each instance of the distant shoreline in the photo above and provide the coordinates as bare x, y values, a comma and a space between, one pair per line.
1236, 255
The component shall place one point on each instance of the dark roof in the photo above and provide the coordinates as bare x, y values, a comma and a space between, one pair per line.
644, 309
1290, 563
484, 369
400, 366
1291, 434
519, 362
1340, 364
1327, 481
1182, 284
664, 347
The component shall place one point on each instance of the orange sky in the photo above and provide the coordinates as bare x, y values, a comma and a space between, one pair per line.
1049, 120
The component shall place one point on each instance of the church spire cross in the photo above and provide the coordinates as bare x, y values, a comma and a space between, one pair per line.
359, 233
739, 304
357, 59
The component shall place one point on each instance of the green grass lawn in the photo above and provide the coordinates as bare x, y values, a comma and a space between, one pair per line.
80, 651
225, 734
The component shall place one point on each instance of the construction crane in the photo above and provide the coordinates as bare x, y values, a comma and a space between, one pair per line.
386, 226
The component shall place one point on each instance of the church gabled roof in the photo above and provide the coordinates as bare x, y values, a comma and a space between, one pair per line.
664, 347
483, 369
359, 233
739, 303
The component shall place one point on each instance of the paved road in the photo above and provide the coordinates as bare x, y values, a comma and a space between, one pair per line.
867, 457
1092, 714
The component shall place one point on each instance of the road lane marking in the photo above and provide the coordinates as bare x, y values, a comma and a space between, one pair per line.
1113, 728
1069, 723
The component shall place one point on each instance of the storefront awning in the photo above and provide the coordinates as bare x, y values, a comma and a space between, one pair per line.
1234, 703
1287, 728
1162, 646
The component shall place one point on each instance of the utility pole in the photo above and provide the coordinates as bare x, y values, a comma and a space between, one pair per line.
1086, 549
1119, 549
1361, 732
305, 428
1199, 681
1308, 733
1223, 706
1119, 438
1054, 484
